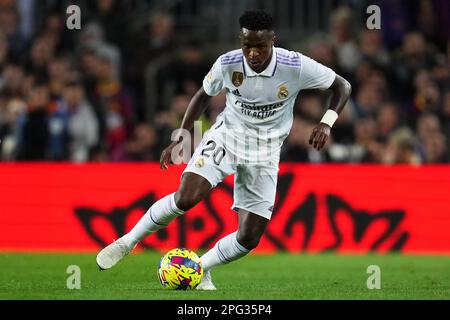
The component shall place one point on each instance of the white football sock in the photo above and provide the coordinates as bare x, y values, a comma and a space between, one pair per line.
160, 214
226, 250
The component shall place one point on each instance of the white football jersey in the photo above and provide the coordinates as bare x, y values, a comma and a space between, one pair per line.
259, 106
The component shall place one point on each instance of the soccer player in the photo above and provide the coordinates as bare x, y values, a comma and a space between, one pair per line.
261, 82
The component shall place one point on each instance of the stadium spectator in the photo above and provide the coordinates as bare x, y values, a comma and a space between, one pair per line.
397, 19
87, 65
143, 145
435, 148
110, 15
342, 29
413, 56
400, 77
92, 37
32, 132
191, 67
427, 125
322, 51
115, 107
387, 120
58, 71
54, 28
12, 79
372, 48
427, 96
368, 99
367, 148
82, 126
433, 21
10, 111
186, 71
401, 148
42, 52
152, 41
10, 26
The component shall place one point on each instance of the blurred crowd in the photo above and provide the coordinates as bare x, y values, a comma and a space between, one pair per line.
83, 95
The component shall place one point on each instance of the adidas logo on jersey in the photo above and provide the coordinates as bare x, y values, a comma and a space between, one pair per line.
236, 93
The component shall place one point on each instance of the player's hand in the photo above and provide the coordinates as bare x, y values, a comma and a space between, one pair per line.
319, 136
166, 156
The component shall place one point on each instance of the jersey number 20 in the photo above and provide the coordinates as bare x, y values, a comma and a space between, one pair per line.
211, 149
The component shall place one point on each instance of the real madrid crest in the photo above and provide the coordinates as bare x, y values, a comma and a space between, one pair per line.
237, 78
200, 162
283, 92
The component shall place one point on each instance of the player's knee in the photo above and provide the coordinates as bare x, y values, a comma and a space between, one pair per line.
183, 202
248, 239
186, 201
192, 190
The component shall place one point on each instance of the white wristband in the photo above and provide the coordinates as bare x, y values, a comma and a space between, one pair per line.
329, 117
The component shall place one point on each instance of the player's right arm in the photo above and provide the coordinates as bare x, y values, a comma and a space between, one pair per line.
196, 107
212, 85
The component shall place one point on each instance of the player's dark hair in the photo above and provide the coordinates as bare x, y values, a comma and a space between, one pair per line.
256, 20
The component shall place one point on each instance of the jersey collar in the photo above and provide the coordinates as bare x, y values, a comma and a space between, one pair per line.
268, 72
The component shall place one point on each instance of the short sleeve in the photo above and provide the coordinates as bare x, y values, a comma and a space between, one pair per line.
213, 82
314, 75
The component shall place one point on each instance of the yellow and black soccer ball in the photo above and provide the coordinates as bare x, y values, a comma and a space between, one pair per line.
180, 269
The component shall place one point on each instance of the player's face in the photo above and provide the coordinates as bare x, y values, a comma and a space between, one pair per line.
257, 48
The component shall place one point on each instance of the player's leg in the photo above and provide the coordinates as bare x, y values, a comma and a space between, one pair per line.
251, 229
193, 188
233, 246
203, 172
254, 196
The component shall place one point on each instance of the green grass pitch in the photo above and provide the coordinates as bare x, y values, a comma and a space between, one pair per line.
280, 276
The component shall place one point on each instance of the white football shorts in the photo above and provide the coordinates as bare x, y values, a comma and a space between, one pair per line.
254, 184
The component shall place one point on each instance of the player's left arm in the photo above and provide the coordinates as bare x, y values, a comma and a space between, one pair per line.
341, 90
